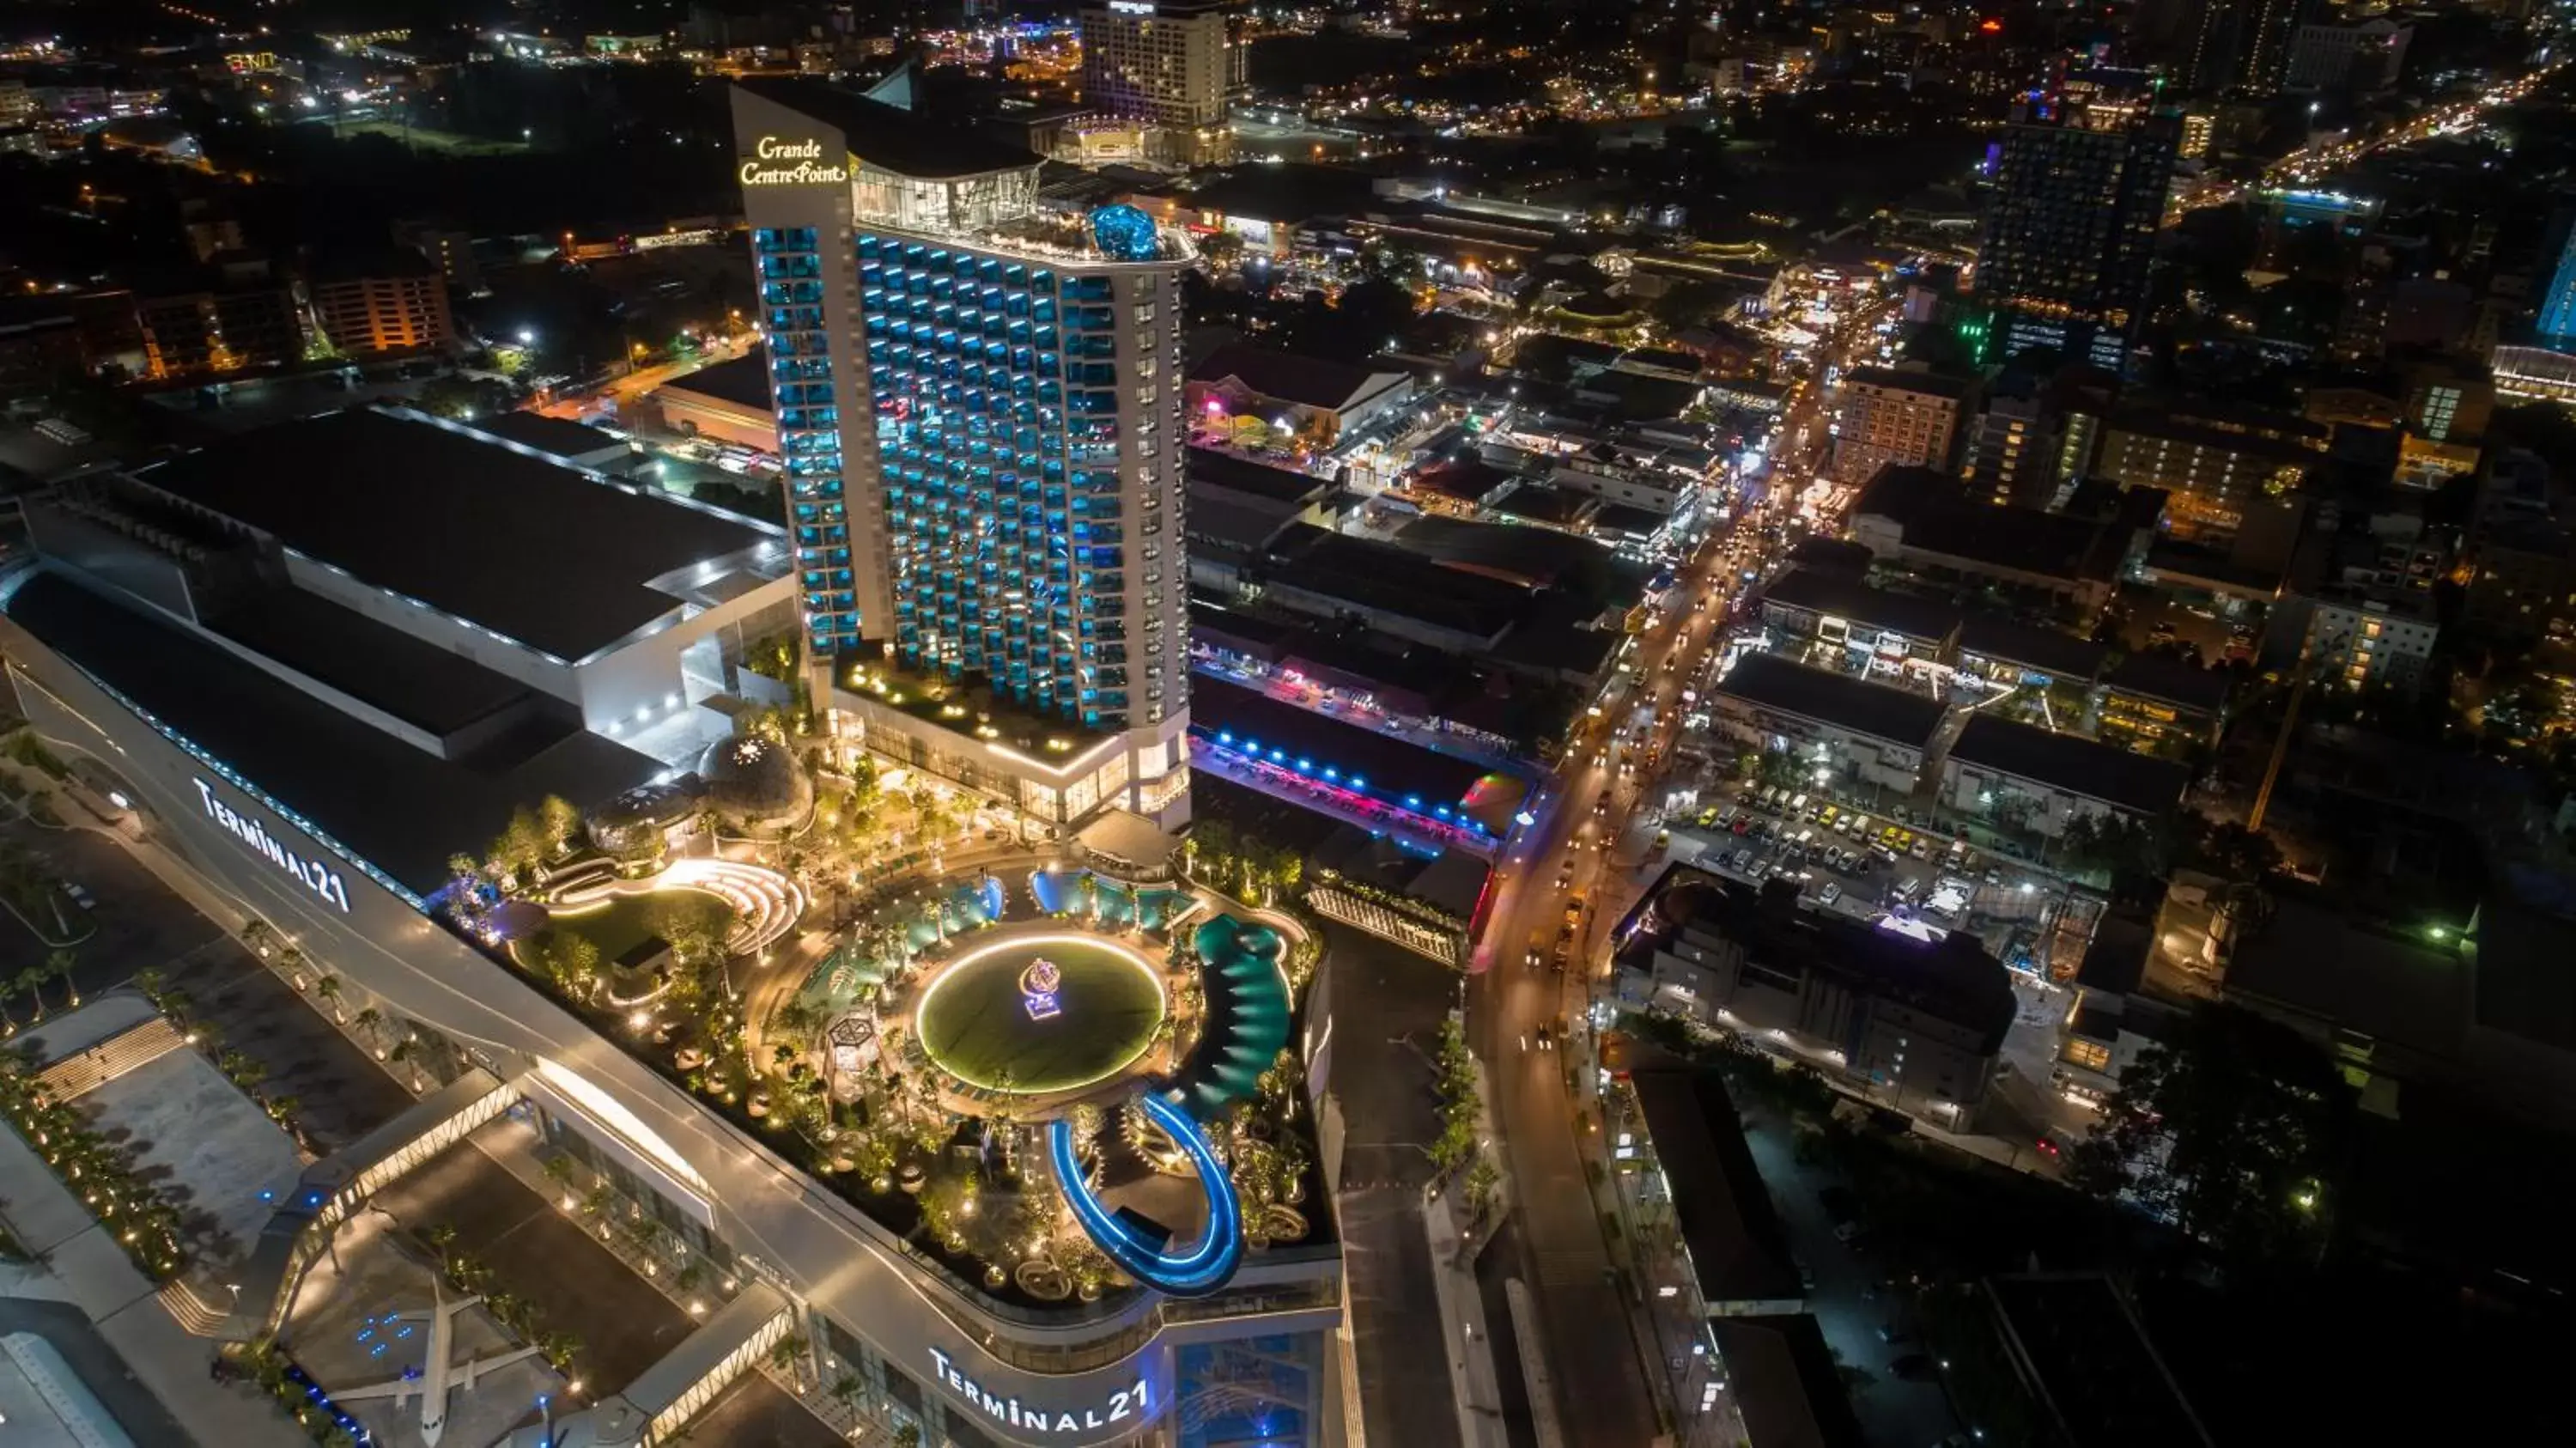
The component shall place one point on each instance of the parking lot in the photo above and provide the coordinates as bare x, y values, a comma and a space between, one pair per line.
1865, 864
130, 923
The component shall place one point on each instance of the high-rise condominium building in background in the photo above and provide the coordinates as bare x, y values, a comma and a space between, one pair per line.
2080, 180
1175, 67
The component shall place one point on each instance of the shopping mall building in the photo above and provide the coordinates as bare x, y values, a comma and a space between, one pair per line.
316, 660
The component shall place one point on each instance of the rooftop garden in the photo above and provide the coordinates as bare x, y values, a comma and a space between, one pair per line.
893, 995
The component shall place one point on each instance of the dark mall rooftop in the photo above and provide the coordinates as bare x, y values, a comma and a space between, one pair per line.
401, 808
528, 548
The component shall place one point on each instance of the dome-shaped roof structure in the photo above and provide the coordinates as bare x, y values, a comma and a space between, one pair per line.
634, 819
756, 779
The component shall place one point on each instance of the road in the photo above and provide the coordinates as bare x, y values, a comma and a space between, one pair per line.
2312, 163
624, 390
1574, 847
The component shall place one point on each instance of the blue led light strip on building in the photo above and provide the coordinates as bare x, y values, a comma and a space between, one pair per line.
237, 780
1195, 1273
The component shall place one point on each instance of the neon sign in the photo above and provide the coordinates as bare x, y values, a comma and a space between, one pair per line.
1132, 1402
315, 876
1039, 985
809, 169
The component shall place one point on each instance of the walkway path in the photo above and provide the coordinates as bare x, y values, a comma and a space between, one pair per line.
81, 1266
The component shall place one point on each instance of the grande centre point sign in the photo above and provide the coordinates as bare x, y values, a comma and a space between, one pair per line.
779, 162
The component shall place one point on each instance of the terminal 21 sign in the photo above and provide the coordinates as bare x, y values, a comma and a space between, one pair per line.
790, 163
315, 876
1131, 1405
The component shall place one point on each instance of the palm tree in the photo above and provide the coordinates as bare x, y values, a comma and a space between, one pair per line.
326, 989
787, 1355
369, 1022
59, 965
28, 980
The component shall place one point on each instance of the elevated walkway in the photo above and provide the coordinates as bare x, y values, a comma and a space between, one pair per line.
338, 1185
658, 1404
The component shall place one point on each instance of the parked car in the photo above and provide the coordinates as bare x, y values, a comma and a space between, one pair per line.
1831, 893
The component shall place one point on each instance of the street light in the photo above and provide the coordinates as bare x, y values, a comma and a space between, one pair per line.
527, 338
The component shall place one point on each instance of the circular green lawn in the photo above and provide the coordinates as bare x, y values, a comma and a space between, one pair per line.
975, 1022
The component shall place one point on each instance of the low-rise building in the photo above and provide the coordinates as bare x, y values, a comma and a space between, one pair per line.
228, 330
2155, 703
2112, 1022
2025, 778
1331, 576
1787, 1384
2033, 437
2014, 655
2363, 57
1623, 467
1916, 1023
1832, 724
1877, 631
2522, 549
394, 303
1237, 505
1695, 1176
1312, 398
2368, 638
1885, 416
1919, 521
726, 402
2209, 472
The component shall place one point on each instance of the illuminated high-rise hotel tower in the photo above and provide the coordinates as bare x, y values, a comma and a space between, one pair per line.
979, 406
